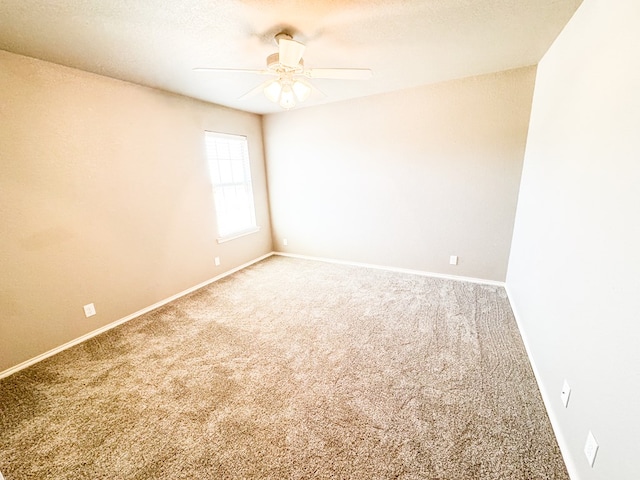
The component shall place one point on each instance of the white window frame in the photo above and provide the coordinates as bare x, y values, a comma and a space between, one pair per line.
230, 175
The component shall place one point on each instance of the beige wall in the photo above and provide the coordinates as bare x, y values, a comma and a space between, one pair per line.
404, 179
104, 198
574, 272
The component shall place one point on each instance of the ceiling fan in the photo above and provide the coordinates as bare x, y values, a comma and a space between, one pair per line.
291, 83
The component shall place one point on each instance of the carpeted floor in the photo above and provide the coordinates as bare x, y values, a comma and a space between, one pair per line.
290, 369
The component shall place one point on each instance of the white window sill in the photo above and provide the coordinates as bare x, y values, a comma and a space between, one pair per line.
233, 236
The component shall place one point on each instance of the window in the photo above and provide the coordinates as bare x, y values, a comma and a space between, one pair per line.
228, 158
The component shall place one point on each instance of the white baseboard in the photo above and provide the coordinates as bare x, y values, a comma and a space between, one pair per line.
395, 269
76, 341
114, 324
547, 397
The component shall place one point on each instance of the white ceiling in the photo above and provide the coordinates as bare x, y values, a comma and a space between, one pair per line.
406, 43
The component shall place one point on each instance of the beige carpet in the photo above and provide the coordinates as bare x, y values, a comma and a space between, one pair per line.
290, 369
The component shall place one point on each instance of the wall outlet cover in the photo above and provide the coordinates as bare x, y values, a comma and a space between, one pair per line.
285, 242
89, 311
453, 260
591, 448
216, 260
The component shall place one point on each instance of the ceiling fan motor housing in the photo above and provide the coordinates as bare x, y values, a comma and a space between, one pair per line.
273, 63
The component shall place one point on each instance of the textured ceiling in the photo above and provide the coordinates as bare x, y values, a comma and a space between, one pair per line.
406, 43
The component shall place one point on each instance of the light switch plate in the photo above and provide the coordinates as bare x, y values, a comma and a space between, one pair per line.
565, 393
591, 448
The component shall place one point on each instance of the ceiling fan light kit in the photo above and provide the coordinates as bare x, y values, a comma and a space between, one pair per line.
273, 90
291, 85
302, 90
286, 90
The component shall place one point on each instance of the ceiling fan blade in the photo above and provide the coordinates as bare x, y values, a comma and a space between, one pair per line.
340, 73
315, 89
235, 70
254, 91
290, 52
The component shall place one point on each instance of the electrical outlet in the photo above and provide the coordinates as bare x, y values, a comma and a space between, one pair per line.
217, 261
285, 242
453, 260
89, 311
591, 448
565, 393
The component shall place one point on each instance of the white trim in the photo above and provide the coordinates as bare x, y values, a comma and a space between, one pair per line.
547, 398
27, 363
233, 236
395, 269
87, 336
228, 136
